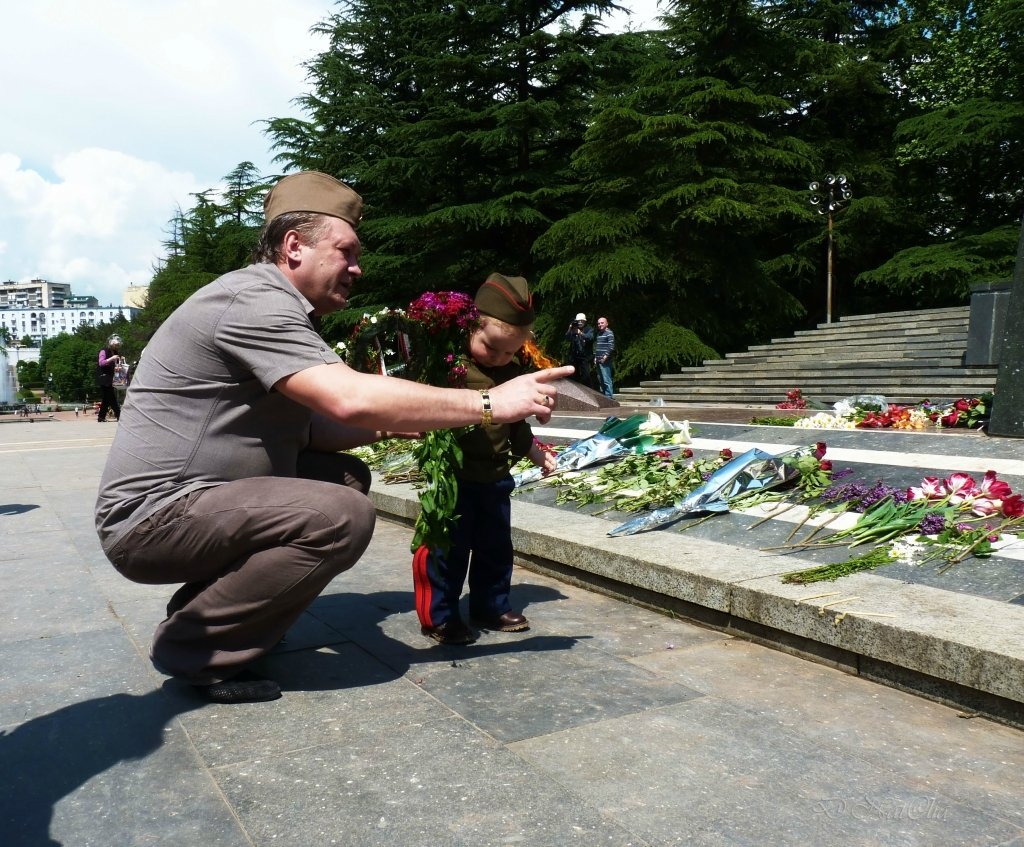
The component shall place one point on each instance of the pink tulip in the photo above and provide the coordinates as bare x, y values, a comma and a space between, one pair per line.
992, 487
983, 507
932, 488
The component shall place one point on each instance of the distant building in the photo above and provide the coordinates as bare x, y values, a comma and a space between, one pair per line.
135, 295
35, 294
40, 324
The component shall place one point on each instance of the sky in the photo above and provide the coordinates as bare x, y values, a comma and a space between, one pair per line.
117, 111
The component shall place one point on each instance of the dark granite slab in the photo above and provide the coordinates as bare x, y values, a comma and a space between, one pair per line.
998, 577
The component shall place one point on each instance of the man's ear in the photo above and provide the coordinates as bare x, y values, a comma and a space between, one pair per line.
291, 245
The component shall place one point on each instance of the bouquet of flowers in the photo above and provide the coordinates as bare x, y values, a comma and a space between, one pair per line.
615, 438
431, 339
750, 473
955, 517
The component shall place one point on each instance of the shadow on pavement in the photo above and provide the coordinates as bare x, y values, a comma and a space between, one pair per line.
17, 508
364, 654
49, 757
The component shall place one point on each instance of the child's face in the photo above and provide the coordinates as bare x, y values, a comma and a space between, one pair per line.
494, 345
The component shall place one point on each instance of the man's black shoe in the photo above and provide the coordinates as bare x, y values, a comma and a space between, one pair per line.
244, 688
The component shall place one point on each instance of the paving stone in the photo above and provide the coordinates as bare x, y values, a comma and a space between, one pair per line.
43, 674
111, 768
45, 592
706, 773
939, 747
330, 694
528, 693
442, 783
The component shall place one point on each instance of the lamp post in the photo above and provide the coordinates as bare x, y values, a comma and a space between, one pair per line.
828, 197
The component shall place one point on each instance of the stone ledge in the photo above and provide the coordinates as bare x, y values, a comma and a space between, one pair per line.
959, 648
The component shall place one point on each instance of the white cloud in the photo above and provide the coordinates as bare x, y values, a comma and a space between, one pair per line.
99, 224
115, 111
121, 110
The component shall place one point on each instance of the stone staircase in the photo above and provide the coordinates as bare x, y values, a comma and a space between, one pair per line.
905, 356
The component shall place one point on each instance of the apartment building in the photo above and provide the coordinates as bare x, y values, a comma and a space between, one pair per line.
34, 294
42, 309
40, 324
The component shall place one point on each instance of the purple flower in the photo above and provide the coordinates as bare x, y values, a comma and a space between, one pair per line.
859, 497
933, 524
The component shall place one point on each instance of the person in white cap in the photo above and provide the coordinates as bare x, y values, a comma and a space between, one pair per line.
110, 357
225, 473
581, 348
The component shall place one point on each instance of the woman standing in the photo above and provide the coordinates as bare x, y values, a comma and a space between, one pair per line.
110, 357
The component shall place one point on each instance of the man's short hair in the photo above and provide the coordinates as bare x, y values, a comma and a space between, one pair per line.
310, 226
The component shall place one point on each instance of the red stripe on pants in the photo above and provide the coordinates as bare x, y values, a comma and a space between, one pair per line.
421, 584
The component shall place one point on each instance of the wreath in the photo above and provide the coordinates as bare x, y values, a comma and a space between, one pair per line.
426, 343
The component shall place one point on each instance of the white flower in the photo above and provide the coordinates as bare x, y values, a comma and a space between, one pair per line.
823, 420
919, 417
683, 435
341, 347
660, 425
843, 408
908, 550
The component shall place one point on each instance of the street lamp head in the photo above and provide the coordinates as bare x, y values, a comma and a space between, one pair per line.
829, 195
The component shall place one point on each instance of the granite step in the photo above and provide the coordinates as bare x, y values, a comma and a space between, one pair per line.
848, 370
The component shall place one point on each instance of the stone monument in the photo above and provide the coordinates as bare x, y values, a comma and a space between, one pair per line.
1008, 407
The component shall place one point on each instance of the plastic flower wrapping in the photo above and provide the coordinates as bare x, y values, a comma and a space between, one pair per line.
617, 437
748, 473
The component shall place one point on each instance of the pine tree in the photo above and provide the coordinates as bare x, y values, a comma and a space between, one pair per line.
456, 125
215, 236
691, 181
963, 152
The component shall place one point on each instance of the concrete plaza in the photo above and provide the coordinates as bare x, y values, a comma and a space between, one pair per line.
606, 724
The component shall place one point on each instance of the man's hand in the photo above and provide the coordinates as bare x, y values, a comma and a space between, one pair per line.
526, 395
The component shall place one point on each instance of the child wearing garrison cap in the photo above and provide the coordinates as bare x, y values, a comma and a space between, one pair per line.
482, 539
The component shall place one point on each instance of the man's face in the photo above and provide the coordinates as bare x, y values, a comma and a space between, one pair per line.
602, 324
327, 270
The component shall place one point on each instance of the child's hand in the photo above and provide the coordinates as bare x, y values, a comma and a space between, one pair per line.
542, 458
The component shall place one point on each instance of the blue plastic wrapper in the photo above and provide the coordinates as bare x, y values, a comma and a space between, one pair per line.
749, 472
616, 438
